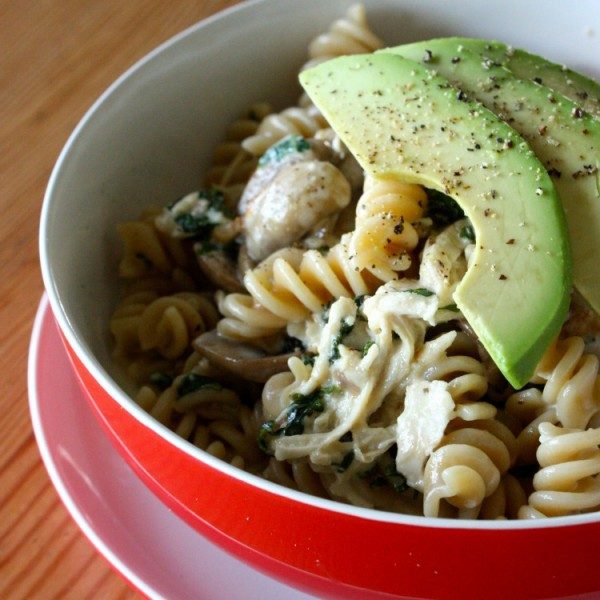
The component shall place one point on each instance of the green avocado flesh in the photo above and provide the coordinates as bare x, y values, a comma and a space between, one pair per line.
582, 90
565, 138
402, 121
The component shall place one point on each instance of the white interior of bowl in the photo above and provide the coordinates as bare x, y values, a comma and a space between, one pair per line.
149, 137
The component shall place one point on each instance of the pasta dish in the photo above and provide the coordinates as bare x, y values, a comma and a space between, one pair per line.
295, 317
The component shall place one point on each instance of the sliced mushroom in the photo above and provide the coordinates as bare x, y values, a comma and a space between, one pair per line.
239, 358
298, 198
220, 270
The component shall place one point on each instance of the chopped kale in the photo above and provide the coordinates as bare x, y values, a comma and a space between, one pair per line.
192, 382
308, 358
292, 144
345, 462
366, 347
161, 380
206, 247
291, 344
420, 292
359, 300
291, 422
451, 307
345, 329
395, 480
384, 473
204, 216
467, 232
442, 209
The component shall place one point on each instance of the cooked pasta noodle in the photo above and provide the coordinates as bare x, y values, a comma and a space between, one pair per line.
467, 467
568, 481
231, 163
506, 502
289, 286
297, 320
166, 324
529, 410
571, 383
300, 120
146, 251
384, 236
349, 35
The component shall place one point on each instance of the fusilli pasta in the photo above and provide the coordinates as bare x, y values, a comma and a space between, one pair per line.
231, 163
289, 286
384, 236
568, 481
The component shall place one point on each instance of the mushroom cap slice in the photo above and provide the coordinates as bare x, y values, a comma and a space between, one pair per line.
240, 359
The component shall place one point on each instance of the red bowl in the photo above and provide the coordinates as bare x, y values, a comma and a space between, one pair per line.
145, 140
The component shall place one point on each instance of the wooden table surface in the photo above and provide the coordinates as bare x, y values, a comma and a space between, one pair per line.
56, 57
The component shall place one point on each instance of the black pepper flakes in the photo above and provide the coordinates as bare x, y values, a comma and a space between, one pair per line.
399, 227
553, 172
586, 170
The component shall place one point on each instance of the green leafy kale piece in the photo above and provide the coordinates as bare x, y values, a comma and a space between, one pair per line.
203, 222
292, 420
192, 382
420, 292
442, 209
292, 144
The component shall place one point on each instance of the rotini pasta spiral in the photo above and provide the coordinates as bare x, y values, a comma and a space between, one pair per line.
384, 235
232, 164
571, 382
299, 120
146, 251
208, 415
243, 319
568, 481
467, 466
348, 35
165, 325
467, 384
527, 409
506, 501
296, 475
290, 285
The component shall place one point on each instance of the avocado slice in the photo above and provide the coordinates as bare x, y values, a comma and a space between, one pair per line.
582, 90
402, 121
565, 138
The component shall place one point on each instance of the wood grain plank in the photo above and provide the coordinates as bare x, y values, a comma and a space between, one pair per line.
57, 57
